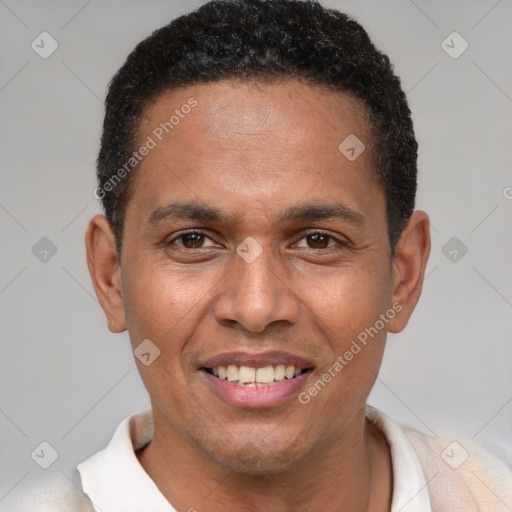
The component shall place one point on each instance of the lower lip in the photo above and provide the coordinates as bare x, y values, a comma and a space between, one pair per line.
256, 397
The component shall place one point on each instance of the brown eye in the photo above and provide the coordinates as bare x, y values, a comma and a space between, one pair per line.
192, 240
318, 240
321, 241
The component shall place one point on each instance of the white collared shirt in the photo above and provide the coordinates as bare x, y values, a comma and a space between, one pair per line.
115, 481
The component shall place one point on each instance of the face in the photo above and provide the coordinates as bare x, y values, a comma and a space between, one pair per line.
255, 249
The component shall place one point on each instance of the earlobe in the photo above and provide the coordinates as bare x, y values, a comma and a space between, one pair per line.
105, 271
409, 264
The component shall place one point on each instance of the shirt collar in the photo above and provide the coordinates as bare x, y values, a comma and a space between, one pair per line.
115, 481
410, 489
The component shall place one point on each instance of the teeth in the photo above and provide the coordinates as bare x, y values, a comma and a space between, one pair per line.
279, 372
232, 373
265, 374
253, 377
247, 374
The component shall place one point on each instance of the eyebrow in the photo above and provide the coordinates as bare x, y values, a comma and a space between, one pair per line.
306, 212
182, 211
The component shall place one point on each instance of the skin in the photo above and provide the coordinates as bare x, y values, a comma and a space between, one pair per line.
252, 151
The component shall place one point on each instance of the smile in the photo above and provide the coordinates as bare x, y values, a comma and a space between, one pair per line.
248, 376
249, 380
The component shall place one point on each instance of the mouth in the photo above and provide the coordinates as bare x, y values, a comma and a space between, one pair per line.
253, 381
253, 377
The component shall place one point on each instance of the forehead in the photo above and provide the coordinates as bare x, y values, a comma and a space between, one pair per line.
232, 110
230, 141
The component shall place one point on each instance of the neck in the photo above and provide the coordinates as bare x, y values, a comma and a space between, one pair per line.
350, 472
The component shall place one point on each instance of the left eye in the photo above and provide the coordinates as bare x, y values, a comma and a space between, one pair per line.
192, 240
319, 240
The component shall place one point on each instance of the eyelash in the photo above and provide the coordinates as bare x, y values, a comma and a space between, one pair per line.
340, 243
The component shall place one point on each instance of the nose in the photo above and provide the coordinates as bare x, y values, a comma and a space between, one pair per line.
255, 295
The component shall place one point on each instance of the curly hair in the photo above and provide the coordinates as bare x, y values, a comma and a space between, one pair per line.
262, 40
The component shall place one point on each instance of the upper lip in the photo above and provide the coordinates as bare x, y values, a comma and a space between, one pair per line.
257, 359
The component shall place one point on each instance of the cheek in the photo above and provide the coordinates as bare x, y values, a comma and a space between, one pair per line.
161, 302
164, 305
351, 300
350, 313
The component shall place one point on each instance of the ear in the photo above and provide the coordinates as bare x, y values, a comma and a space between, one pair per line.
105, 270
409, 263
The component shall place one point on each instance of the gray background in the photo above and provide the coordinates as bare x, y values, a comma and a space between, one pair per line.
66, 380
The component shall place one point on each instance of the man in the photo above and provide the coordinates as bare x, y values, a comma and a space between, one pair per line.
258, 174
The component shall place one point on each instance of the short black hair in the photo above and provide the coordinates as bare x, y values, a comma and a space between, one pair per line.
261, 40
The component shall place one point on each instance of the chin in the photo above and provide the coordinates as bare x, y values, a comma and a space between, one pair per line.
251, 460
256, 454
